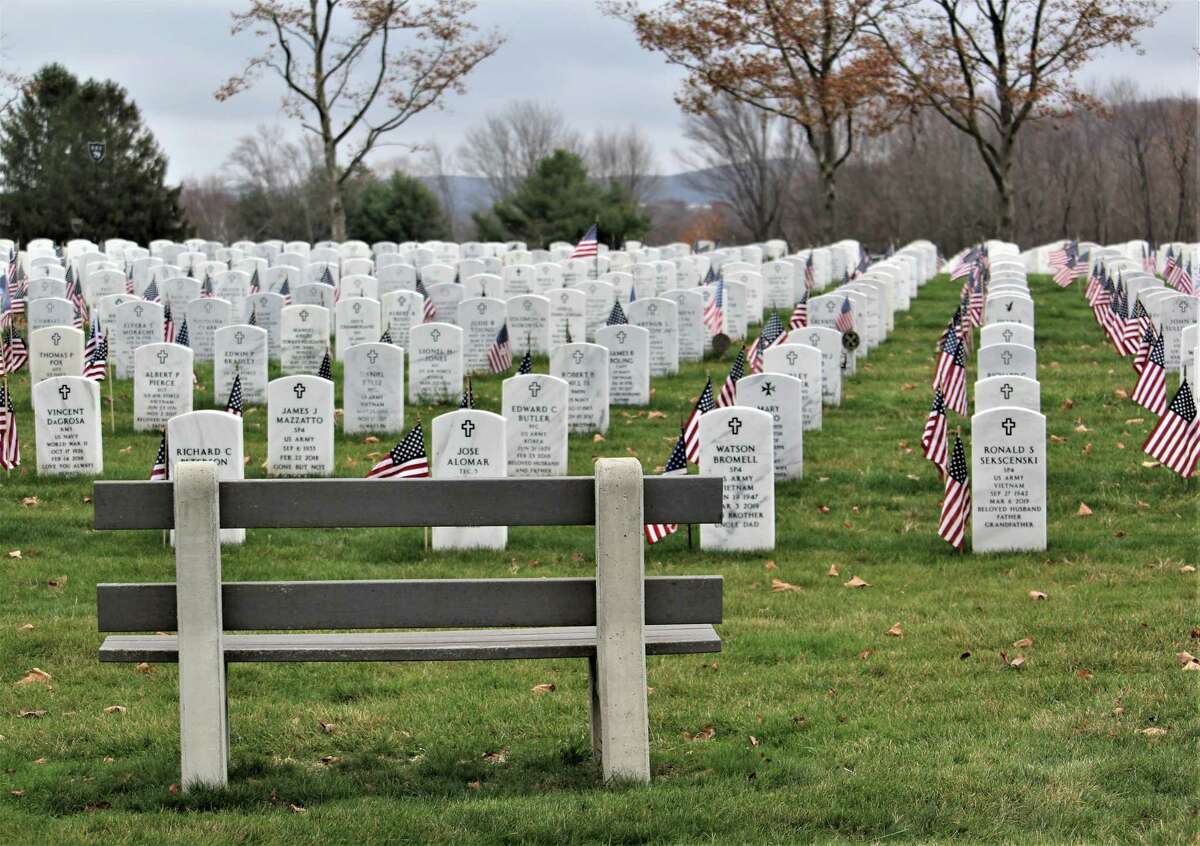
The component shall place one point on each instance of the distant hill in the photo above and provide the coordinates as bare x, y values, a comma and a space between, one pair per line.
471, 193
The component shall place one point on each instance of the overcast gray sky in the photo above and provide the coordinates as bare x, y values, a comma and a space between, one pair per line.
172, 54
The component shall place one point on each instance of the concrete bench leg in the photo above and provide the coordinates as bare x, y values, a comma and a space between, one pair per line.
203, 723
619, 710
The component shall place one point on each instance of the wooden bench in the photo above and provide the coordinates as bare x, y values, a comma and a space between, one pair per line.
613, 621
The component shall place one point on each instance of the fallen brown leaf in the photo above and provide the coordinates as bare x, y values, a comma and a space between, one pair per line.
856, 582
824, 509
865, 654
1068, 403
330, 759
34, 713
544, 688
1133, 421
895, 631
1083, 511
770, 566
143, 667
115, 709
1087, 449
57, 582
1023, 643
31, 501
327, 728
496, 757
1082, 428
753, 740
126, 450
14, 553
1083, 674
1152, 731
28, 627
16, 793
370, 439
1184, 658
1058, 440
474, 785
297, 809
1187, 568
1015, 663
656, 415
34, 676
1120, 445
597, 438
833, 570
706, 733
780, 586
1121, 393
1035, 595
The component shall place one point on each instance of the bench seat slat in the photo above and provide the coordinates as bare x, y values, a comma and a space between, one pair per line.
474, 645
406, 604
348, 503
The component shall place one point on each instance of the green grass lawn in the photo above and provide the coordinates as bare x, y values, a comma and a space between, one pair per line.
825, 729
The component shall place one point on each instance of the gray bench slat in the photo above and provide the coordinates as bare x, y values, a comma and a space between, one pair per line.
347, 503
407, 604
493, 645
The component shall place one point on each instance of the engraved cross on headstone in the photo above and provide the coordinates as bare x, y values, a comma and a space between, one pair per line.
577, 356
239, 336
1008, 336
435, 334
535, 388
138, 310
621, 336
1006, 357
1007, 390
64, 391
298, 389
467, 428
793, 357
55, 339
372, 356
768, 389
304, 316
1009, 424
734, 425
162, 356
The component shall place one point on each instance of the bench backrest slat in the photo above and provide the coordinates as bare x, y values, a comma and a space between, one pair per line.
347, 503
455, 603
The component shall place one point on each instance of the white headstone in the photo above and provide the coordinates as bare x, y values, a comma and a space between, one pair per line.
55, 351
805, 364
535, 408
1018, 391
1006, 333
659, 317
209, 436
833, 356
598, 302
66, 414
1007, 360
265, 310
628, 363
303, 338
446, 296
162, 384
435, 363
782, 397
1008, 308
204, 317
736, 443
584, 367
1008, 480
480, 319
1176, 313
300, 426
358, 322
134, 323
469, 444
568, 315
240, 350
689, 313
529, 324
373, 389
402, 309
49, 311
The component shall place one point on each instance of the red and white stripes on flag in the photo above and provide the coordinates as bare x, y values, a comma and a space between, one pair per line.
1151, 389
1175, 439
933, 439
714, 312
406, 460
10, 445
799, 318
499, 354
691, 428
676, 466
956, 504
729, 389
951, 375
588, 245
159, 473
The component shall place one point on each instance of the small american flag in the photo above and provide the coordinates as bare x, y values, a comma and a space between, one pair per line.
74, 291
810, 275
181, 337
845, 317
499, 354
799, 318
1143, 351
1185, 279
386, 337
1169, 264
771, 335
15, 352
326, 369
158, 473
206, 287
129, 279
93, 340
234, 406
285, 291
168, 324
255, 285
966, 264
526, 366
252, 320
16, 304
588, 245
96, 366
714, 312
729, 389
407, 459
430, 310
327, 277
975, 302
150, 295
691, 427
77, 318
1151, 389
468, 396
616, 317
933, 439
10, 445
676, 466
1175, 439
951, 375
956, 504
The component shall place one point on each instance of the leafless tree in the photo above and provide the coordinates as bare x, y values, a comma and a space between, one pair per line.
282, 180
624, 157
1177, 122
355, 71
748, 158
208, 204
506, 148
436, 167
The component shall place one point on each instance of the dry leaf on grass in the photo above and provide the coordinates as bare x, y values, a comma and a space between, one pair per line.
770, 565
597, 438
1057, 439
895, 631
297, 809
1084, 674
34, 676
544, 688
656, 415
1121, 393
1152, 731
706, 733
865, 654
57, 582
327, 728
474, 785
28, 627
14, 553
1185, 658
856, 582
780, 586
1083, 511
31, 501
370, 439
1016, 662
833, 570
1191, 666
143, 667
753, 740
1035, 595
824, 509
1149, 463
1068, 403
1023, 643
1133, 421
126, 450
115, 709
1187, 568
33, 713
496, 757
329, 759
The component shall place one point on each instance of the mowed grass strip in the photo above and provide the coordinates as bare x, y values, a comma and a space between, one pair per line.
814, 724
